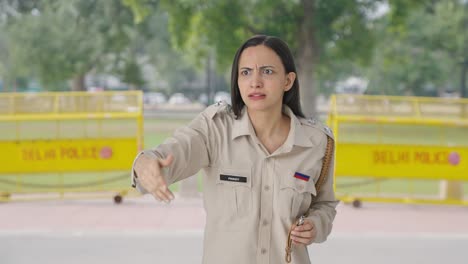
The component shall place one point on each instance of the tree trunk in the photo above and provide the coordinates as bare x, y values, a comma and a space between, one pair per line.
308, 55
78, 83
463, 92
464, 68
208, 88
14, 85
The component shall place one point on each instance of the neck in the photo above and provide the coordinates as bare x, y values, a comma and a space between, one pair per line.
268, 124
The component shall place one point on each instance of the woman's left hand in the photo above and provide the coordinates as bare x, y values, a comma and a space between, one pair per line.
304, 234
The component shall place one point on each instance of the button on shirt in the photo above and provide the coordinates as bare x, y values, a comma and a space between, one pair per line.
252, 197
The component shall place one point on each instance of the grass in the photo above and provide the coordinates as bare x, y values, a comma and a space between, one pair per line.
397, 134
388, 186
402, 134
156, 130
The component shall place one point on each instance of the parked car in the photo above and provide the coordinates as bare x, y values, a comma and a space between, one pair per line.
152, 98
203, 99
222, 96
178, 98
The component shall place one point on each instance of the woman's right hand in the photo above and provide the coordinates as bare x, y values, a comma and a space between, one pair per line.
150, 176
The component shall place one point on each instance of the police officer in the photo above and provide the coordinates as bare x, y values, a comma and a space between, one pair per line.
261, 159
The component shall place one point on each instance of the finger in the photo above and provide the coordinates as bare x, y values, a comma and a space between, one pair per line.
303, 234
171, 195
156, 197
163, 194
149, 183
155, 190
167, 161
300, 240
154, 181
167, 192
308, 225
304, 227
158, 194
157, 187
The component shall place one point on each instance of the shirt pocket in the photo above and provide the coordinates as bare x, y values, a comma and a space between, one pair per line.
296, 195
233, 195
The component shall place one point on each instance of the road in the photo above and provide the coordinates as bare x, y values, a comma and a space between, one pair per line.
186, 247
143, 231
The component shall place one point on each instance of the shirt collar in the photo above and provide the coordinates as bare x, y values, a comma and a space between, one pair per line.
242, 126
296, 136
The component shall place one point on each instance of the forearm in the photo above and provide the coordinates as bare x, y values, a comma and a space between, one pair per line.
322, 215
322, 210
189, 147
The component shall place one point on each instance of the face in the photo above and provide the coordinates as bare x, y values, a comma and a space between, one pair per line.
262, 79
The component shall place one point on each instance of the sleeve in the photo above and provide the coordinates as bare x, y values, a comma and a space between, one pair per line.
191, 147
322, 210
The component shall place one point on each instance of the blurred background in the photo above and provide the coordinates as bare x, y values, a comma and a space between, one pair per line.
86, 84
167, 47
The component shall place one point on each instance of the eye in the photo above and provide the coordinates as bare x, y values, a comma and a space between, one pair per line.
268, 71
244, 72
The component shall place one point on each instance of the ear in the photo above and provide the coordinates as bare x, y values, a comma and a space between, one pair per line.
290, 78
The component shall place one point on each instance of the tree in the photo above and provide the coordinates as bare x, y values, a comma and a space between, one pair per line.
61, 40
9, 73
422, 55
6, 73
170, 65
318, 31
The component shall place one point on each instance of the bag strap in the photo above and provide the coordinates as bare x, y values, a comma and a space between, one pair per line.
318, 185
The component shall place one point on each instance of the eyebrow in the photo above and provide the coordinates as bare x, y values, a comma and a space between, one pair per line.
261, 68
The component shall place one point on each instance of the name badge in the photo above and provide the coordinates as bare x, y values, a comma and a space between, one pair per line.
232, 178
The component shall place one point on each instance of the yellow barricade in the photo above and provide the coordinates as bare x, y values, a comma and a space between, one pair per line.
400, 149
68, 144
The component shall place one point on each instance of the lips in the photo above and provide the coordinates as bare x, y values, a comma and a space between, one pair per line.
257, 96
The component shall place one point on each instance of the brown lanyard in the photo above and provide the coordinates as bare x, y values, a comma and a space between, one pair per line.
318, 185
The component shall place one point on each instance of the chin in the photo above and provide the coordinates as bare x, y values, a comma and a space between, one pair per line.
258, 107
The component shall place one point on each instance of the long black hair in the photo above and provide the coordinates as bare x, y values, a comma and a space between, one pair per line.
291, 97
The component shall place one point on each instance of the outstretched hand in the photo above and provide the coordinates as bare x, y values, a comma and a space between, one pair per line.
150, 176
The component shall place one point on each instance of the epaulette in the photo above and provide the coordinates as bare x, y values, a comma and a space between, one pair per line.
313, 122
217, 108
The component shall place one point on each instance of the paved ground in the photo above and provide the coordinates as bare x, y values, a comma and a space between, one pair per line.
143, 231
144, 213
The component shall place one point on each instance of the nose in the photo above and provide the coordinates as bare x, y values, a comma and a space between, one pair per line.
256, 80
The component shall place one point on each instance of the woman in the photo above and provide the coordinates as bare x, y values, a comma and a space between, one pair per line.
261, 159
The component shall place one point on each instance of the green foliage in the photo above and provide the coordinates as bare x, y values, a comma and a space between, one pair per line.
132, 74
415, 48
56, 41
64, 39
171, 65
424, 58
140, 8
341, 27
336, 32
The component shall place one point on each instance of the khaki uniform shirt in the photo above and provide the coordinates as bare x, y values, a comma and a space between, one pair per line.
252, 197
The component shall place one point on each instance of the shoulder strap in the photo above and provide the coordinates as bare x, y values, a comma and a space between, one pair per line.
325, 164
318, 185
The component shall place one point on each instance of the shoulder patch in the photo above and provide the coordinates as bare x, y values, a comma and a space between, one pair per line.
313, 122
218, 108
328, 131
309, 121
